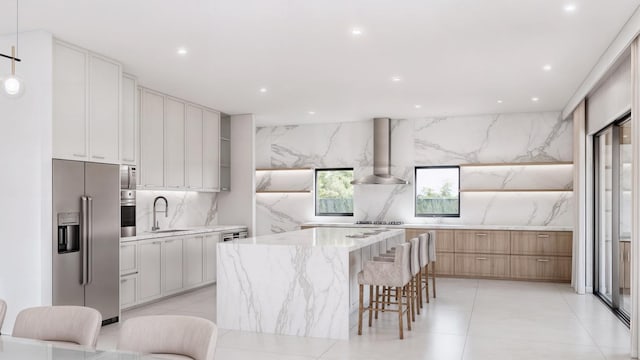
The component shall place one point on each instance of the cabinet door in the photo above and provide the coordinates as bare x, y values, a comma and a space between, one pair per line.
105, 77
194, 154
129, 121
70, 110
211, 150
444, 265
193, 261
128, 259
482, 265
172, 265
174, 143
151, 139
149, 271
480, 241
210, 261
549, 243
541, 267
128, 296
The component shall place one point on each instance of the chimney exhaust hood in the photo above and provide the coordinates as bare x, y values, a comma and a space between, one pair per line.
381, 156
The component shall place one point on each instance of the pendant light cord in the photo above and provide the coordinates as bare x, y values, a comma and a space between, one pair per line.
17, 17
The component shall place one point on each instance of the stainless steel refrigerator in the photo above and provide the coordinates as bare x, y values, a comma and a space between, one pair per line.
86, 236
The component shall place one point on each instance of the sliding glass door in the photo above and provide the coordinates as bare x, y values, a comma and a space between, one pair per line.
612, 200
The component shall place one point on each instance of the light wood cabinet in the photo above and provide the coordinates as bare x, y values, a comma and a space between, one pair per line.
541, 267
129, 121
193, 257
151, 139
194, 147
445, 263
625, 266
482, 265
541, 243
172, 256
105, 78
149, 273
445, 241
211, 150
481, 241
174, 143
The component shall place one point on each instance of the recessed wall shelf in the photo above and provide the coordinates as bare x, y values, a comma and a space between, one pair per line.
516, 190
282, 191
283, 169
517, 164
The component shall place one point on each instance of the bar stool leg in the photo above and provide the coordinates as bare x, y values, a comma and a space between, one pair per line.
360, 310
400, 317
377, 299
433, 274
419, 290
370, 304
426, 269
408, 310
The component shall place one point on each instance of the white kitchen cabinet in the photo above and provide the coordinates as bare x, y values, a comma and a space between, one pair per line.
210, 261
174, 143
211, 150
128, 291
129, 121
151, 139
193, 147
70, 108
193, 261
149, 270
172, 263
128, 258
225, 153
105, 78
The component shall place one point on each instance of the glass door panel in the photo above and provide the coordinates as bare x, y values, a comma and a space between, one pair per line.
624, 238
604, 231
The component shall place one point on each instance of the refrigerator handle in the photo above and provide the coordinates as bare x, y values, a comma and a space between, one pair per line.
84, 238
90, 240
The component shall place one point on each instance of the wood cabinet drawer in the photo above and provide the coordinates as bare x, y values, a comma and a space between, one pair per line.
444, 238
547, 243
541, 267
483, 242
481, 265
444, 264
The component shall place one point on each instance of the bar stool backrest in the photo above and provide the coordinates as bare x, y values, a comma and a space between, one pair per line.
424, 249
432, 246
415, 256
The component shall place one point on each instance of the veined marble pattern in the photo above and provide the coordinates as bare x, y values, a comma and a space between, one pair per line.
186, 209
493, 138
529, 137
284, 180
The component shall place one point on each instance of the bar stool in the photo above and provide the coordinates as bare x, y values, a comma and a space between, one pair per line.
415, 291
394, 274
432, 260
424, 265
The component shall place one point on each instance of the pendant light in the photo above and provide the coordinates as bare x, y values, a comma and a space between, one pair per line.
12, 86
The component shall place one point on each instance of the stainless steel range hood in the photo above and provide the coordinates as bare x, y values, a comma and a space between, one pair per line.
381, 156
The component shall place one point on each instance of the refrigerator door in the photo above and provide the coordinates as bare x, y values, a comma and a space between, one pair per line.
68, 189
102, 187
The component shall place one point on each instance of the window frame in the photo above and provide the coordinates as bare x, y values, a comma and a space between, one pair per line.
315, 190
415, 191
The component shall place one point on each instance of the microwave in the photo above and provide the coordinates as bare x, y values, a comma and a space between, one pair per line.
128, 177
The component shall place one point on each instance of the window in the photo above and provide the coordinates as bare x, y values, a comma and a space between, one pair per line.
438, 191
334, 192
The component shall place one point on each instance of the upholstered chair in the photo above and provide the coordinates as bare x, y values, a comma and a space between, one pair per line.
432, 260
76, 325
424, 265
416, 271
170, 336
393, 274
3, 312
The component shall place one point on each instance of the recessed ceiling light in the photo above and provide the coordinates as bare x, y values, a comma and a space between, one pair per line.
263, 90
534, 99
499, 101
396, 78
311, 112
182, 51
417, 106
356, 31
570, 8
546, 67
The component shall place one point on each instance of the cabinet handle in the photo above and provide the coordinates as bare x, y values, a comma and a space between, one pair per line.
157, 242
481, 258
168, 241
481, 234
543, 235
128, 274
543, 260
125, 159
97, 157
78, 155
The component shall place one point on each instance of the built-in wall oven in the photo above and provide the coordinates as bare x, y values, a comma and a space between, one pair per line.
127, 213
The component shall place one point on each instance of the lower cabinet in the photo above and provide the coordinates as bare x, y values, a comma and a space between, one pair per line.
210, 262
541, 267
149, 271
482, 265
172, 265
193, 261
128, 293
444, 264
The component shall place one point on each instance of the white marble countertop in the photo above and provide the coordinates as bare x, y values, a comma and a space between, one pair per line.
445, 226
187, 231
335, 237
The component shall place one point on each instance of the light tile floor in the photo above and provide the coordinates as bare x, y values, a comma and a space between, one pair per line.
470, 319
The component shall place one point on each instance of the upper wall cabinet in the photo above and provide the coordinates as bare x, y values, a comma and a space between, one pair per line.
86, 105
129, 121
180, 144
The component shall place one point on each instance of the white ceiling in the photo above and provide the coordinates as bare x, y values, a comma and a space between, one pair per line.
454, 56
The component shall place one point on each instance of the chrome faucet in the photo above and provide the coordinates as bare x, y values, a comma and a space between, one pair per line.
166, 211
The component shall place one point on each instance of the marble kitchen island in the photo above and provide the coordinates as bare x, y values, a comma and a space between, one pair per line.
296, 283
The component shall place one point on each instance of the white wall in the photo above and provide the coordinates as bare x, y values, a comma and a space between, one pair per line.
236, 207
611, 99
25, 184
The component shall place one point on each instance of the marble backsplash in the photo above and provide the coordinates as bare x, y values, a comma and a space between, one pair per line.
186, 209
498, 138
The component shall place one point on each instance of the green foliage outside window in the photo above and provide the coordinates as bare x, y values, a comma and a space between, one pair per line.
437, 192
334, 192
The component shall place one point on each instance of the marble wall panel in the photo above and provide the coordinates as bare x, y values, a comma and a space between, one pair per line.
186, 209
